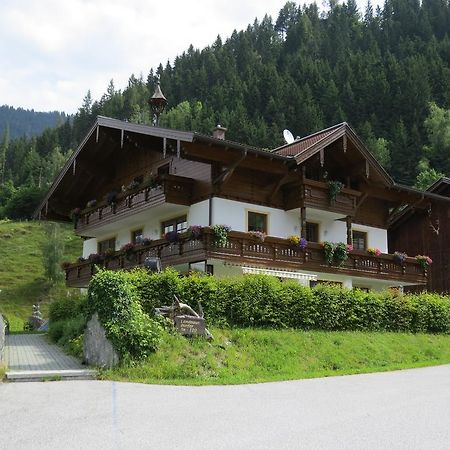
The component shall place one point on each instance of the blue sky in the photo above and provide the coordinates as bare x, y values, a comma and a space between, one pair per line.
53, 51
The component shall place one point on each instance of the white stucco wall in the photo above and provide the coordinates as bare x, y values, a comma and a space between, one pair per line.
376, 237
199, 214
229, 212
89, 247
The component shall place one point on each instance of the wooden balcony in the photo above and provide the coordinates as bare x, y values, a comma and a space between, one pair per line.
173, 189
243, 249
316, 194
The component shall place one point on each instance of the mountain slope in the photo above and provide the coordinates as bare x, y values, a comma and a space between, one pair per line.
25, 122
22, 281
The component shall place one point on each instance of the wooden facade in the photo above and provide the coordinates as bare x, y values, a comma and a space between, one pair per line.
425, 232
149, 166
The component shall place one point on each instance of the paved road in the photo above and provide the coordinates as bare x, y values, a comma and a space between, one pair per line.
397, 410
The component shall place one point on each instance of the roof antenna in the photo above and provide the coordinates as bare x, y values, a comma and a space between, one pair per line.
288, 136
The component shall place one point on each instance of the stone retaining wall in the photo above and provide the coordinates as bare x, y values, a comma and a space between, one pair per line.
2, 336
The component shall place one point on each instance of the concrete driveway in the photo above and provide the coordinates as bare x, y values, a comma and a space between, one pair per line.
394, 410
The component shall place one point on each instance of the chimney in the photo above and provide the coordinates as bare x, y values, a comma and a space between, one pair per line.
219, 132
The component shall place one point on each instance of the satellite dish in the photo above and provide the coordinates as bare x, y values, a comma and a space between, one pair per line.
288, 137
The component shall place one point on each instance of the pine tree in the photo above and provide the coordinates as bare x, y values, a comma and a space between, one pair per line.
4, 147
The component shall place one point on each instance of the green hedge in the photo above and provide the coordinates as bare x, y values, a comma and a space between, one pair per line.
126, 301
263, 301
113, 295
67, 323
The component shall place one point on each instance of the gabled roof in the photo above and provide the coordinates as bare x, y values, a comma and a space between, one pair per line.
433, 192
439, 185
301, 145
159, 132
303, 149
292, 154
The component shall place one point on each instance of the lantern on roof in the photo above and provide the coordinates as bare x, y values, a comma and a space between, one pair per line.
157, 104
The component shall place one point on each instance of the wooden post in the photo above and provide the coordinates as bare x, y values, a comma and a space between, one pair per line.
210, 210
302, 204
349, 230
303, 222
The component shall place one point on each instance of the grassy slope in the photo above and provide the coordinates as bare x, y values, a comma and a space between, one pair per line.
22, 281
249, 356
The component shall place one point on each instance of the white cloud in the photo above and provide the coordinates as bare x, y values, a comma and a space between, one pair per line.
53, 51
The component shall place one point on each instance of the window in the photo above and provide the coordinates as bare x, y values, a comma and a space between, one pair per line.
102, 246
359, 240
137, 236
179, 225
257, 222
312, 232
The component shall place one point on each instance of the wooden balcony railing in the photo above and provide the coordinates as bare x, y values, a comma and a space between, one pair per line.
316, 194
173, 189
241, 248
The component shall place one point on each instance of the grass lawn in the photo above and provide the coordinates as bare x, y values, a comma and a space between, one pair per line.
252, 356
22, 281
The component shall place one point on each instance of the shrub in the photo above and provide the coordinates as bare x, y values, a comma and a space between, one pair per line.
132, 332
55, 330
155, 290
67, 308
68, 322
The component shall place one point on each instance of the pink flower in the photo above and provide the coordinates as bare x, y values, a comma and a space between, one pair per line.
429, 260
349, 247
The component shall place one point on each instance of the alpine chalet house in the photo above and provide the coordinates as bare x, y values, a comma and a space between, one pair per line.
136, 191
425, 232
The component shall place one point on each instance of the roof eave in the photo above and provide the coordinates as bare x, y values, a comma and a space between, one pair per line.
107, 122
241, 147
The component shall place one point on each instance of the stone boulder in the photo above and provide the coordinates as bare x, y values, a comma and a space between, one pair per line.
97, 349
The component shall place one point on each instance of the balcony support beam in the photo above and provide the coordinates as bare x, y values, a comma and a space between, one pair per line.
348, 221
222, 178
303, 222
278, 186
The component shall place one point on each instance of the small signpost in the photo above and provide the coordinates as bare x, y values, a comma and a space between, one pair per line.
187, 322
190, 326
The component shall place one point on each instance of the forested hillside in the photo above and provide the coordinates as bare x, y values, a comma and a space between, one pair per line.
25, 122
385, 71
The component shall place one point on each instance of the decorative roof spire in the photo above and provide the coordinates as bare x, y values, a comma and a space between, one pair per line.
157, 103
